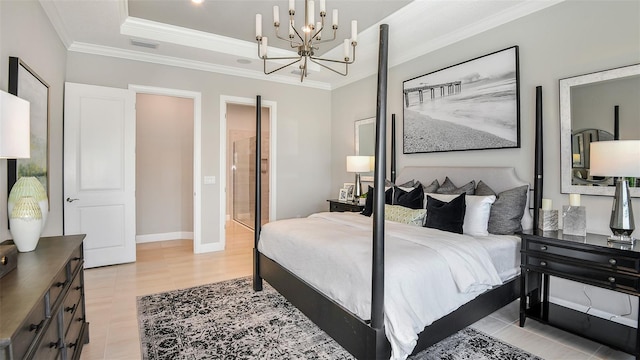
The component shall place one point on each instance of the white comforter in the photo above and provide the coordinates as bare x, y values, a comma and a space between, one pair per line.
428, 273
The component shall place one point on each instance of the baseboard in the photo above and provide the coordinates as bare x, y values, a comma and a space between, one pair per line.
211, 247
178, 235
595, 312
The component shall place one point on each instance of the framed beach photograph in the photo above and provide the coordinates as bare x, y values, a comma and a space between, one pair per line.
473, 105
342, 196
26, 84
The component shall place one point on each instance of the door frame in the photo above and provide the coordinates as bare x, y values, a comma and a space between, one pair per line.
272, 105
198, 246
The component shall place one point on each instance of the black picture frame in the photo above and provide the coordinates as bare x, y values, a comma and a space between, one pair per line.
472, 105
26, 84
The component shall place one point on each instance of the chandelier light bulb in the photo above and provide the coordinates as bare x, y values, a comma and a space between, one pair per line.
258, 25
276, 14
334, 18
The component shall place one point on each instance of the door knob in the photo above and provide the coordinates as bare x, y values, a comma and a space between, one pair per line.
70, 200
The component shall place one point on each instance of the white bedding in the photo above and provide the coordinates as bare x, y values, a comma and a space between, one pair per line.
428, 273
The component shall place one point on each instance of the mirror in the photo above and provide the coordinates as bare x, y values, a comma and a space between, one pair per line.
587, 112
365, 142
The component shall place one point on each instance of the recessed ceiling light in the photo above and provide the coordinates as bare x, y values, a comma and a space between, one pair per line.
244, 61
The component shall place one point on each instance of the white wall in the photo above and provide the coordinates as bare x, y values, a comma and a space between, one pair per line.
568, 39
303, 149
25, 32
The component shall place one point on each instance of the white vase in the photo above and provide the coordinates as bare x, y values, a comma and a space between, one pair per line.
26, 223
29, 186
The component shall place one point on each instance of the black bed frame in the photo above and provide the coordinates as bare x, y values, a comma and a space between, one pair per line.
366, 339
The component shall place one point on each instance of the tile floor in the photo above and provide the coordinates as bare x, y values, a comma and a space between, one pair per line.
162, 266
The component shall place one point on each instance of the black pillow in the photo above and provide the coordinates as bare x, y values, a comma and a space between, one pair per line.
368, 205
447, 216
413, 199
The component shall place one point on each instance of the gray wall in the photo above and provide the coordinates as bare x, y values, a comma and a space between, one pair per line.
303, 136
164, 164
25, 32
568, 39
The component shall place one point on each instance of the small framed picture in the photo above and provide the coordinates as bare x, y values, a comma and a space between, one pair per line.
343, 194
351, 188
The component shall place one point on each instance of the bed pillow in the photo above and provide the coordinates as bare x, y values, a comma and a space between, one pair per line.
408, 184
413, 199
448, 187
431, 188
477, 213
507, 210
368, 204
404, 215
446, 216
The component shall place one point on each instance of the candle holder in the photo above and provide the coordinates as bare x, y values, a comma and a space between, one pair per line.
548, 220
574, 220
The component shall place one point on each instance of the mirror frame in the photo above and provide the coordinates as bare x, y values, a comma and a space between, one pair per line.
357, 124
566, 158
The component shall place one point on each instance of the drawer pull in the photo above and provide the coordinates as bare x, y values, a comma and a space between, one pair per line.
543, 263
612, 261
60, 284
4, 260
612, 279
72, 345
70, 308
76, 258
36, 327
80, 319
53, 345
79, 287
543, 248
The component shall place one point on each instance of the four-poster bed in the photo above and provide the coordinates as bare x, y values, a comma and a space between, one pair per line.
365, 333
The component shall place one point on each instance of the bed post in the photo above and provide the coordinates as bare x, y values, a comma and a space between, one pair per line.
377, 288
537, 187
393, 148
257, 280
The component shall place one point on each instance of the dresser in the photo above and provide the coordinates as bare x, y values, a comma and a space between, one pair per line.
42, 302
585, 259
341, 206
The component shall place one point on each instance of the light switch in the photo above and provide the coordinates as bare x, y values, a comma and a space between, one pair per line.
208, 180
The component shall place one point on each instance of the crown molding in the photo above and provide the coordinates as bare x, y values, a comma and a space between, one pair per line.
191, 64
51, 10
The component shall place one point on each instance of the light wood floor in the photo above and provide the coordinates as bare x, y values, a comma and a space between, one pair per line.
162, 266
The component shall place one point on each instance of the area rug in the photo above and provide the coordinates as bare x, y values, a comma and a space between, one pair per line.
228, 320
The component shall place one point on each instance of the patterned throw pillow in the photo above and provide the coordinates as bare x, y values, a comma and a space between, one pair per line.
448, 187
507, 210
404, 215
431, 188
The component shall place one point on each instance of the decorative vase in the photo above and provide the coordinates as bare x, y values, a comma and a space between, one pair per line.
29, 186
26, 223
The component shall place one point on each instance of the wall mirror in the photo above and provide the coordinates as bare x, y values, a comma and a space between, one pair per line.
587, 113
365, 141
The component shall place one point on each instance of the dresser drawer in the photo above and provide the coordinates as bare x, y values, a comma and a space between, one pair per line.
71, 301
600, 278
57, 286
72, 340
30, 329
76, 260
50, 344
612, 261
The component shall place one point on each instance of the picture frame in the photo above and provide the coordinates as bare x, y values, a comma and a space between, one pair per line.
472, 105
351, 188
342, 196
26, 84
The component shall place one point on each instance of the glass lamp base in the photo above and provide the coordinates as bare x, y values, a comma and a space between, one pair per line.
621, 239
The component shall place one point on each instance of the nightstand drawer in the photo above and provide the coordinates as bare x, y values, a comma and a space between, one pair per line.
605, 279
611, 261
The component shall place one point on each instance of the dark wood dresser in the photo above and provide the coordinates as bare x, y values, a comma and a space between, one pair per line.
588, 260
42, 307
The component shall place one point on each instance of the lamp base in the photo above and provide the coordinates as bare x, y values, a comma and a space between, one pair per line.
621, 239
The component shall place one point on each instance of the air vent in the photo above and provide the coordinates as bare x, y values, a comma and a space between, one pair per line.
145, 44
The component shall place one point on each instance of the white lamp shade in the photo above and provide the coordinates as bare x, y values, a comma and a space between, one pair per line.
358, 164
619, 158
15, 133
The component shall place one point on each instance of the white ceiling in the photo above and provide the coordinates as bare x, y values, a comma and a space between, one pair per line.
219, 35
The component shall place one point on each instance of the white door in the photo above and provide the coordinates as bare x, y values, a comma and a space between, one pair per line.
99, 171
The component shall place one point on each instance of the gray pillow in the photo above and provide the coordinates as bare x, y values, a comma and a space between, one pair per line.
448, 187
408, 184
431, 188
507, 211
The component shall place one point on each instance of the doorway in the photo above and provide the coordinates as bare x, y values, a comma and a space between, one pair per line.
238, 169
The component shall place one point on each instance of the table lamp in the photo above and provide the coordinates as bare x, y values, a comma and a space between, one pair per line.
358, 164
619, 158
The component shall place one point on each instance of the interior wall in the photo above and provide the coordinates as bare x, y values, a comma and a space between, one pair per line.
25, 32
164, 164
557, 42
304, 137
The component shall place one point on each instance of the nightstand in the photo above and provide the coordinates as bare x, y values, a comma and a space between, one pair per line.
341, 206
585, 259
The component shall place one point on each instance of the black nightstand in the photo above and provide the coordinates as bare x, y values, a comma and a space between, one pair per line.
341, 206
588, 260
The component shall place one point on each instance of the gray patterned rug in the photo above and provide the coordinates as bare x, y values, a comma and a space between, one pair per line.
227, 320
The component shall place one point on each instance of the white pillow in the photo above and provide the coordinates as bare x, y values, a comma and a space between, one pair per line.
476, 216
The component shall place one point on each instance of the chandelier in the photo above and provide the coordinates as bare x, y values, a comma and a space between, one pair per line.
306, 40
